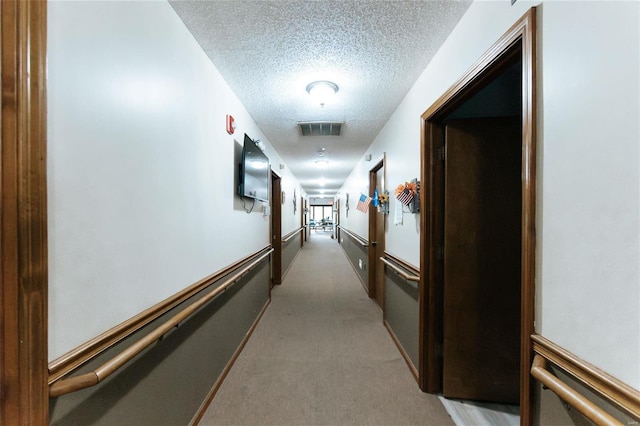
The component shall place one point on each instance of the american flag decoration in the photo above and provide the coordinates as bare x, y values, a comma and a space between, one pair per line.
363, 203
406, 192
405, 197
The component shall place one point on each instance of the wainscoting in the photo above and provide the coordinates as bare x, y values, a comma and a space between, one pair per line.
570, 391
402, 308
175, 377
357, 250
291, 244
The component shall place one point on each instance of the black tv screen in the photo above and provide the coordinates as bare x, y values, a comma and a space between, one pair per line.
254, 172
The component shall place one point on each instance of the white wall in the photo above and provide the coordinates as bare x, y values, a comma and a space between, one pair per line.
588, 250
589, 246
357, 184
291, 220
481, 26
141, 172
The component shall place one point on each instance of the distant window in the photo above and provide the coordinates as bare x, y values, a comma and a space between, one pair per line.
319, 213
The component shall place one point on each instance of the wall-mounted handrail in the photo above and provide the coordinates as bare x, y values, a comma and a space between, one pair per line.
290, 235
84, 353
360, 241
397, 270
94, 377
568, 394
611, 389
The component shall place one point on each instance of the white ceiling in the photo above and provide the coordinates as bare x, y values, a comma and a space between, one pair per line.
269, 51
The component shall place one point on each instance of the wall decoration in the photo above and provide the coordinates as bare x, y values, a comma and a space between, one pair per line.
380, 200
398, 213
405, 192
383, 202
408, 195
346, 205
363, 203
294, 200
384, 197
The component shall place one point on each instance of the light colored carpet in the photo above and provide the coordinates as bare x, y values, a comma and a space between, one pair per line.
321, 356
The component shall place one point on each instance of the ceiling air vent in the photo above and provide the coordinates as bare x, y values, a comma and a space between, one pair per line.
320, 128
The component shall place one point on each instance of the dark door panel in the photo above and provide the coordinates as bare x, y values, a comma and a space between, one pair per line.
482, 239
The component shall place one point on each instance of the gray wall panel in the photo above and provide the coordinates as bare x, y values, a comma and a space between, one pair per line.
290, 250
402, 312
166, 384
356, 254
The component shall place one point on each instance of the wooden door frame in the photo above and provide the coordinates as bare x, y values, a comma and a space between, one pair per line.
519, 40
276, 229
302, 217
336, 219
24, 396
306, 218
372, 260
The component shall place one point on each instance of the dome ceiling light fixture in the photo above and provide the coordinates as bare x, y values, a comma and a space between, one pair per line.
322, 91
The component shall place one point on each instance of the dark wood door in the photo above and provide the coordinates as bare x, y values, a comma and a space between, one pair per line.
482, 246
377, 222
380, 243
276, 230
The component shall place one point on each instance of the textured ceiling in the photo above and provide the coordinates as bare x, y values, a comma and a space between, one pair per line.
269, 51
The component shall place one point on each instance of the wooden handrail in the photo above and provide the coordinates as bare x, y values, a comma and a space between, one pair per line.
362, 242
84, 353
291, 234
568, 394
608, 387
94, 377
399, 271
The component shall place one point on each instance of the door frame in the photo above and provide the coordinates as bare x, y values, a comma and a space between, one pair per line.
303, 235
305, 218
24, 397
374, 244
520, 41
336, 218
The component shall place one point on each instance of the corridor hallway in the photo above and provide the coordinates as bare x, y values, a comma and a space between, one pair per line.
321, 355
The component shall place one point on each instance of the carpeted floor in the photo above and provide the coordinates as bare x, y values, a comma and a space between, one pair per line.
321, 356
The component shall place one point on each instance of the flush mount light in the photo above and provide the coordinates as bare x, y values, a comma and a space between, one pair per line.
321, 164
322, 91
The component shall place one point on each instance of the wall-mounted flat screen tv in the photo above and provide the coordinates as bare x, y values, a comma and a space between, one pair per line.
254, 172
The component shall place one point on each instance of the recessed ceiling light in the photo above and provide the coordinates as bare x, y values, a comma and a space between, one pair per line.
322, 91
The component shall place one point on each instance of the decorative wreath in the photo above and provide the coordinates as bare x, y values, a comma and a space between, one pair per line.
407, 187
405, 192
